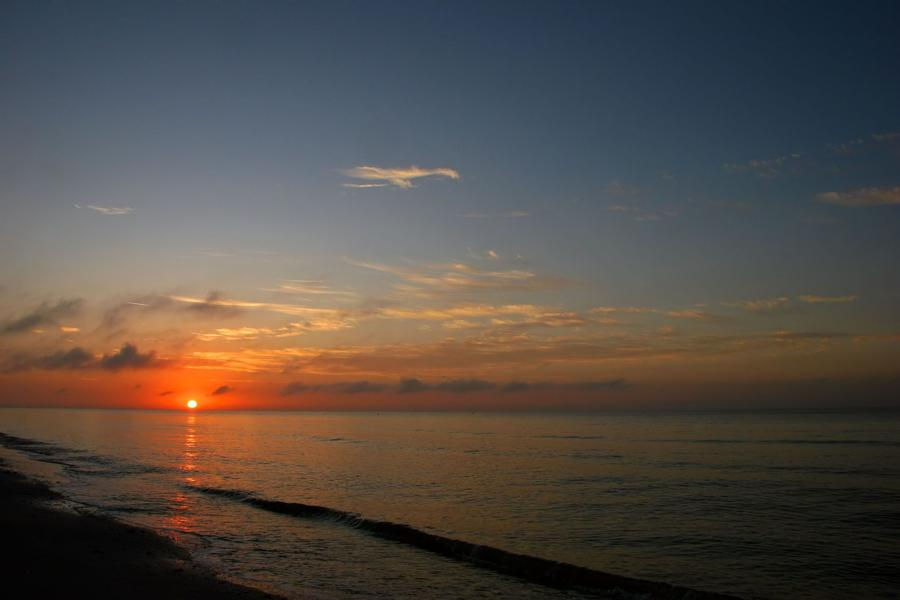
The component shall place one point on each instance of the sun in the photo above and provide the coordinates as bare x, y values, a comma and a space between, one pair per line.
192, 403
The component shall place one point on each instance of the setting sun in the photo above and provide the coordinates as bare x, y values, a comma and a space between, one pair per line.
192, 403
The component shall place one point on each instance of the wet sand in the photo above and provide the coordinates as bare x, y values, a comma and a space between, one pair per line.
54, 553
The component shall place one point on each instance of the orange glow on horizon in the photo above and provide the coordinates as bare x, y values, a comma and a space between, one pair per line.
192, 403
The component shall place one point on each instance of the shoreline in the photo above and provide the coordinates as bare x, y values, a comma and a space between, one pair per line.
52, 553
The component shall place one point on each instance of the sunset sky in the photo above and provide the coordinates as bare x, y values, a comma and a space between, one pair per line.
335, 205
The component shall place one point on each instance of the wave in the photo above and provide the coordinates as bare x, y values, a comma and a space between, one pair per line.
538, 570
77, 461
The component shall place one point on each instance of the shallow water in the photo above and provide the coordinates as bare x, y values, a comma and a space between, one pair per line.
771, 505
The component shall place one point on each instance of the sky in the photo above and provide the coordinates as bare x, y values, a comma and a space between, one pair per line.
449, 205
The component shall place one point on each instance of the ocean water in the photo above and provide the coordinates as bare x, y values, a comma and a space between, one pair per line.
759, 505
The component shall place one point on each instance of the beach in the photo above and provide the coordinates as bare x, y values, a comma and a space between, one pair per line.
60, 553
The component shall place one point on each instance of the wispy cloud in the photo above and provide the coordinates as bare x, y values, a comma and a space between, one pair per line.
461, 277
692, 314
617, 188
401, 177
623, 309
641, 214
311, 287
785, 304
766, 167
108, 210
870, 196
764, 306
812, 299
222, 390
513, 214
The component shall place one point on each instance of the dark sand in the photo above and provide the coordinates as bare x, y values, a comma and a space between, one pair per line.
51, 553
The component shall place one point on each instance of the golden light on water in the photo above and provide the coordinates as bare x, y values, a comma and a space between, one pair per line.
192, 403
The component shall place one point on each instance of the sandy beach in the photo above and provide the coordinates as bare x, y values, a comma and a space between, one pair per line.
54, 553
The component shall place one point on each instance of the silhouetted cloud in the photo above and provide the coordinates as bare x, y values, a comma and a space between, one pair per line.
401, 177
295, 387
411, 386
454, 386
360, 387
45, 314
167, 393
870, 196
464, 386
213, 306
583, 386
346, 387
76, 358
128, 357
221, 390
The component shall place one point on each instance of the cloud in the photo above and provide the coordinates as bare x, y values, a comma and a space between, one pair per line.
623, 309
810, 299
360, 387
454, 386
108, 210
346, 387
213, 306
888, 136
870, 196
696, 315
464, 386
412, 386
76, 358
309, 287
79, 358
783, 304
460, 358
45, 314
295, 387
641, 214
583, 386
401, 177
767, 168
128, 357
221, 390
617, 188
766, 306
513, 214
461, 277
167, 393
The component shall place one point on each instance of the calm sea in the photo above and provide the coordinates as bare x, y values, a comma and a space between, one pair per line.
760, 505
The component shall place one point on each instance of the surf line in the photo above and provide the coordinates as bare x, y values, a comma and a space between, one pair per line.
531, 568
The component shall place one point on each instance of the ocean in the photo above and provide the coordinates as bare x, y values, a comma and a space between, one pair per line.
755, 504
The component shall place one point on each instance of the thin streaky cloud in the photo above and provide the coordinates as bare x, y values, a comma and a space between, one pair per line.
309, 286
108, 210
513, 214
813, 299
869, 196
401, 177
